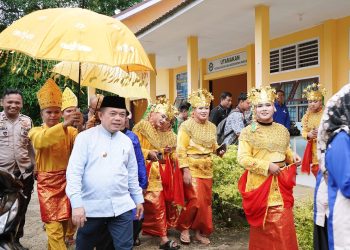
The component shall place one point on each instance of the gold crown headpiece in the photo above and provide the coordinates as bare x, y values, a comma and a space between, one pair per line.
314, 92
200, 98
69, 99
164, 107
262, 95
49, 95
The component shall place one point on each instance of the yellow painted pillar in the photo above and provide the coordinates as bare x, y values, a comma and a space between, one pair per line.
329, 79
172, 89
204, 84
250, 66
262, 46
91, 91
192, 63
152, 78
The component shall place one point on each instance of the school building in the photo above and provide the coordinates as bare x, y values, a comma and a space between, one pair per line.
234, 45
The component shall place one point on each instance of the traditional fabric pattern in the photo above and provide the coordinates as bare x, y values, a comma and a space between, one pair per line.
335, 118
195, 143
157, 139
54, 203
333, 138
49, 95
203, 134
309, 122
261, 137
256, 151
280, 221
69, 99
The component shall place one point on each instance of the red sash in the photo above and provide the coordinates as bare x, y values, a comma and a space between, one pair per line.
307, 159
255, 202
172, 181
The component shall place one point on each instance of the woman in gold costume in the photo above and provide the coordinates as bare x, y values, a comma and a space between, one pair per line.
158, 143
311, 120
195, 143
267, 184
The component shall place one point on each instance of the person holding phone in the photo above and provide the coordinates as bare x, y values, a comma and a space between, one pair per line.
158, 142
267, 184
196, 142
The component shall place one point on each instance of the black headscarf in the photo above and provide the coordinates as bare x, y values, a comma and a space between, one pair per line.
336, 118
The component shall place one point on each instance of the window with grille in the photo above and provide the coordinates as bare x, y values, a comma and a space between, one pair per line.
295, 56
297, 105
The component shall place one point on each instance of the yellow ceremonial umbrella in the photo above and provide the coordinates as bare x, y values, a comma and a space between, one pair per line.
111, 79
76, 35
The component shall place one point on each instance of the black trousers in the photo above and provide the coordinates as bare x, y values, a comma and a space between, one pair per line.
321, 237
28, 185
106, 242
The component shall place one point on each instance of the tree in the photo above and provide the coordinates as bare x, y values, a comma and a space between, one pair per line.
11, 10
22, 77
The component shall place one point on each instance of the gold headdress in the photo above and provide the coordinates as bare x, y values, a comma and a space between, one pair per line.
200, 98
314, 92
68, 99
164, 107
262, 95
49, 95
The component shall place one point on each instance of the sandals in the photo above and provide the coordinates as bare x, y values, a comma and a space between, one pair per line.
169, 245
202, 240
185, 239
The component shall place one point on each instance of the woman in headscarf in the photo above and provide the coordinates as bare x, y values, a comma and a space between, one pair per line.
333, 148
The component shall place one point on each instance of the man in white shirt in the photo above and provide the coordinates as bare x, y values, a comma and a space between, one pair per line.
102, 180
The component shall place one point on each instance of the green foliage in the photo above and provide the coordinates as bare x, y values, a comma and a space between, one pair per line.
304, 223
21, 76
11, 10
227, 201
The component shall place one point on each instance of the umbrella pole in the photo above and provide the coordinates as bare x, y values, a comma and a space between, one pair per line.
79, 78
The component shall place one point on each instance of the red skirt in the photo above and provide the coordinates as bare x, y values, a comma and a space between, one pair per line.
159, 215
197, 213
277, 233
54, 203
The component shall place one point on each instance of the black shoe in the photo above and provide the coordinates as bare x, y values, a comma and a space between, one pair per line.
137, 242
18, 246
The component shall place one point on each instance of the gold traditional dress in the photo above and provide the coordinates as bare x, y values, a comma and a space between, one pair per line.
195, 144
267, 200
159, 214
53, 147
310, 121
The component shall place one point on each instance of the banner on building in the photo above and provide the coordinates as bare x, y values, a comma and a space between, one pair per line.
181, 86
231, 61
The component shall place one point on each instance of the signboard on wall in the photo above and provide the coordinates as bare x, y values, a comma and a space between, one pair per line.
181, 86
231, 61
